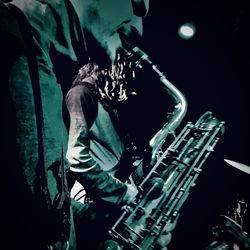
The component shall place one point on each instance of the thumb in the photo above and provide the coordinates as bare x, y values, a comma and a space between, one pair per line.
131, 193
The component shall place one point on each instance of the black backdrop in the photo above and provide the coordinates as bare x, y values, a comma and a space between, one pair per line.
212, 70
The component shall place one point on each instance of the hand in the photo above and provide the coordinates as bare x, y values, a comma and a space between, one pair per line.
111, 245
163, 240
166, 236
131, 193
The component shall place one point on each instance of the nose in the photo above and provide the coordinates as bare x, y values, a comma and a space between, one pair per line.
140, 7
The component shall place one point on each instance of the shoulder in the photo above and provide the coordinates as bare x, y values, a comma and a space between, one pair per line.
80, 99
81, 95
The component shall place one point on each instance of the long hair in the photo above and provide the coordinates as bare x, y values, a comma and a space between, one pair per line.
88, 70
111, 84
116, 82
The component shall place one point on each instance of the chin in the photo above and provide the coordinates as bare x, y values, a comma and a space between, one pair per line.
112, 52
113, 44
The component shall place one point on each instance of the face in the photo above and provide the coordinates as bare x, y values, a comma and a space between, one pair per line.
106, 19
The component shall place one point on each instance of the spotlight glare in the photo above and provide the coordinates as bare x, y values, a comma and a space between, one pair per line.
186, 31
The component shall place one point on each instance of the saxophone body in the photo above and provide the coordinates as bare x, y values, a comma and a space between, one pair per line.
165, 185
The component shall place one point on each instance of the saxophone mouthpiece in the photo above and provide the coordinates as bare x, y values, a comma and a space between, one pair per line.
244, 168
129, 45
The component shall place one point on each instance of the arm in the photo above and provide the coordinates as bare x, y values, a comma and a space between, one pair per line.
99, 185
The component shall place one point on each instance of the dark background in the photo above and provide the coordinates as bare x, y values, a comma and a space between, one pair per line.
212, 70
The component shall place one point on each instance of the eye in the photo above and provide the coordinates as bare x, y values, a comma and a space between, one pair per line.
140, 8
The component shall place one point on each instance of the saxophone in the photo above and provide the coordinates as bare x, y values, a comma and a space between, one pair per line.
173, 169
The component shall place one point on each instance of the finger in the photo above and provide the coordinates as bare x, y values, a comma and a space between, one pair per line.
164, 239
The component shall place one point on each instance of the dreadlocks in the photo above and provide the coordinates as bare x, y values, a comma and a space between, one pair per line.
115, 85
111, 84
89, 70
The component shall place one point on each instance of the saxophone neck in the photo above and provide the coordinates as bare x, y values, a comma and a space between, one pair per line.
140, 58
176, 118
179, 112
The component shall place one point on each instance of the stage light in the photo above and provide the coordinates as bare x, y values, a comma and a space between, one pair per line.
186, 31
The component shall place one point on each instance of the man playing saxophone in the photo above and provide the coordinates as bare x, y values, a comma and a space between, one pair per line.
100, 149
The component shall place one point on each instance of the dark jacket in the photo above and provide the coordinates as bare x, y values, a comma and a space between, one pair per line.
95, 145
58, 50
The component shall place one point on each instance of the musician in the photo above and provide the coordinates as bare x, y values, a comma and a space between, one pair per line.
42, 47
95, 146
97, 143
99, 149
